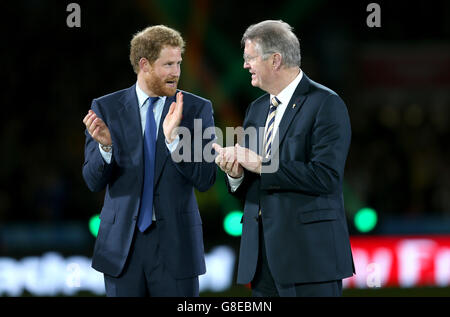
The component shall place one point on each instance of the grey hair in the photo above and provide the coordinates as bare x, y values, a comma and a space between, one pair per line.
273, 36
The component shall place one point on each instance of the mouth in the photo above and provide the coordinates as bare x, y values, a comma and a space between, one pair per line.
172, 83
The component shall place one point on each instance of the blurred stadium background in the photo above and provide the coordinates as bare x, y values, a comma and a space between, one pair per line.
395, 80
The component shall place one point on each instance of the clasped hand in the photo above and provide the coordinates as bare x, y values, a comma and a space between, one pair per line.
233, 159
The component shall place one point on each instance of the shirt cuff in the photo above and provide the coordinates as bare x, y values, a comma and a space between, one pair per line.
106, 155
173, 146
235, 182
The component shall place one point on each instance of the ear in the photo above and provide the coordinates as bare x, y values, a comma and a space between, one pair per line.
276, 61
144, 65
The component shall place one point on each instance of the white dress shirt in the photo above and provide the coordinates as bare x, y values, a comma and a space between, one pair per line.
284, 97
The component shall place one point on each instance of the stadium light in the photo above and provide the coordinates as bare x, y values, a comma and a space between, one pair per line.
94, 224
232, 223
365, 219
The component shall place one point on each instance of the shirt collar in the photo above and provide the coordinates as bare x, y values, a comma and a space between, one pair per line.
141, 95
286, 94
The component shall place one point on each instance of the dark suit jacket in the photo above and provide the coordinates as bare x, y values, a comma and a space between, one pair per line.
302, 206
176, 210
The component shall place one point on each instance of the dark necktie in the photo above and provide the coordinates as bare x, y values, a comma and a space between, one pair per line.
146, 210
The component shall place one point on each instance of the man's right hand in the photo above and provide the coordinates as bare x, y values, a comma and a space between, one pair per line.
226, 160
97, 129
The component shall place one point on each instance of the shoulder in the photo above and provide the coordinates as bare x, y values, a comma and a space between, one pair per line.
197, 105
320, 90
108, 104
262, 98
189, 97
323, 96
327, 104
253, 110
254, 104
114, 96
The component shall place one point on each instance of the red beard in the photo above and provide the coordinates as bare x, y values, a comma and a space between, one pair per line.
159, 86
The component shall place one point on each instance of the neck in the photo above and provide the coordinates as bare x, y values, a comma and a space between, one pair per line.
282, 79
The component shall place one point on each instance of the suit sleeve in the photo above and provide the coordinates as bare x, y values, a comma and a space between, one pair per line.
200, 172
96, 172
241, 191
330, 141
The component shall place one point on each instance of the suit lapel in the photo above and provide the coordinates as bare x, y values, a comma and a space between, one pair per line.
298, 98
262, 115
130, 119
258, 120
162, 153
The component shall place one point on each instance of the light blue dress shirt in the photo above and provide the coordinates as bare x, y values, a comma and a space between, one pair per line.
157, 112
143, 107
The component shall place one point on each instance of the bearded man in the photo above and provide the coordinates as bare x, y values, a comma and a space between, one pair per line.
150, 241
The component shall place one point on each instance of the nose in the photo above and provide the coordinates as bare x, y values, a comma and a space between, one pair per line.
246, 65
177, 70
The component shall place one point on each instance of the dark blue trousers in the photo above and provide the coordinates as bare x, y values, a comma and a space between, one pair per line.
145, 274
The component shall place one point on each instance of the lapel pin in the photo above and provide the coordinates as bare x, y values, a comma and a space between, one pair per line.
293, 106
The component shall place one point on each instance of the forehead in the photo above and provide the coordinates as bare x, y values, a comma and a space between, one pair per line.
170, 53
250, 47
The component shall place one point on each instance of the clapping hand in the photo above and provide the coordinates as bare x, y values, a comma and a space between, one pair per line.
97, 129
173, 118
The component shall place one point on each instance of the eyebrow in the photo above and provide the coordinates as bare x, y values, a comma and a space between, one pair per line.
172, 61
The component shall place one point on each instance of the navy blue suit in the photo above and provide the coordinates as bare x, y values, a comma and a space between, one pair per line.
176, 211
302, 209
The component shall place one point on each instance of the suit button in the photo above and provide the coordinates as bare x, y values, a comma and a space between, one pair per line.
134, 218
100, 168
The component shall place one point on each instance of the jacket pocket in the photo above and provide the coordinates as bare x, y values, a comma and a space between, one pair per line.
317, 215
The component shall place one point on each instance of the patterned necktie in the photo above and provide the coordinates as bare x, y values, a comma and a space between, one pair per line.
270, 125
146, 210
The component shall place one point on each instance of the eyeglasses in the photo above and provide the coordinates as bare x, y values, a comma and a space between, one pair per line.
248, 58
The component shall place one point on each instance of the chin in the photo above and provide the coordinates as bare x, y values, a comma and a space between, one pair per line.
171, 91
167, 91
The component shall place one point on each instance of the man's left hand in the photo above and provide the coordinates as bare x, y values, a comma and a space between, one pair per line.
173, 118
226, 160
248, 159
